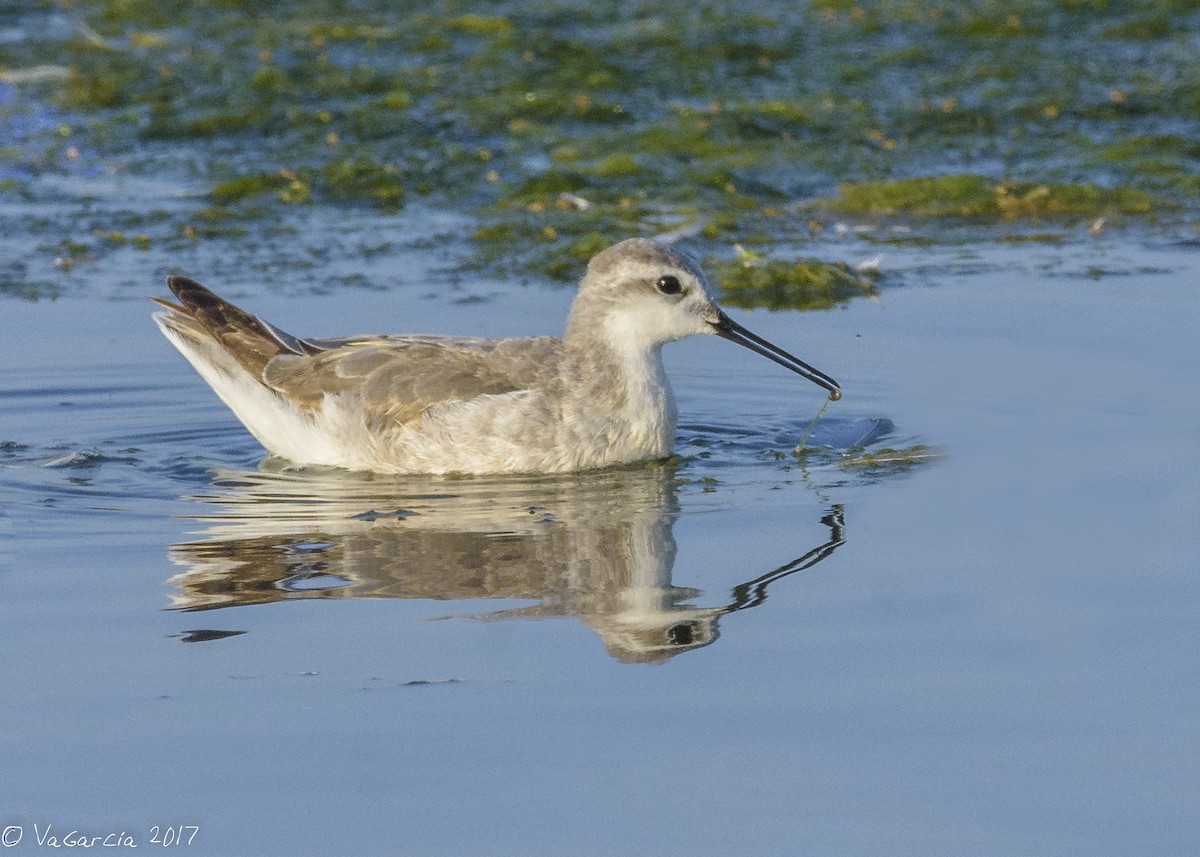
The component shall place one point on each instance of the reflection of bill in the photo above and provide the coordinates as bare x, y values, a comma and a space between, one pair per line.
597, 546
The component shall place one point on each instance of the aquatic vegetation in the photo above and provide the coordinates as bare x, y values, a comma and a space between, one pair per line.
611, 120
888, 460
286, 185
17, 281
481, 25
963, 196
119, 238
1152, 25
618, 165
363, 178
977, 196
358, 178
802, 284
164, 124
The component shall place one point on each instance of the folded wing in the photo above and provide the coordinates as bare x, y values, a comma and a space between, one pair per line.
395, 378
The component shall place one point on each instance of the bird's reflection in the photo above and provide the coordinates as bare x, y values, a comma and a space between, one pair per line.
597, 546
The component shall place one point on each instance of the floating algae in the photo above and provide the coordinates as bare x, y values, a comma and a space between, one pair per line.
609, 120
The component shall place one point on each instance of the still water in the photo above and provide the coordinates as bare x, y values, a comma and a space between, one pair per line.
985, 643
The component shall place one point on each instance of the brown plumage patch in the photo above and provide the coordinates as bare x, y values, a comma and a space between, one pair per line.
398, 379
250, 342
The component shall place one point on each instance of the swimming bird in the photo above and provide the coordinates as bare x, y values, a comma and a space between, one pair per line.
594, 397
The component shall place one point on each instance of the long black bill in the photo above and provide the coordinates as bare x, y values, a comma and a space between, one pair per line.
727, 328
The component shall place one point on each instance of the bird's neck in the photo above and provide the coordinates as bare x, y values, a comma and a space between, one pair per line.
610, 355
622, 387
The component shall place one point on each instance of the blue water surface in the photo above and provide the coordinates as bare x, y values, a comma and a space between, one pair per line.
986, 647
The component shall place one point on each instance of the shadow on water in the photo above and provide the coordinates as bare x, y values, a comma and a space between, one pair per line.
597, 546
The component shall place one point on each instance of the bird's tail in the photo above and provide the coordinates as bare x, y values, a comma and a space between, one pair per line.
202, 319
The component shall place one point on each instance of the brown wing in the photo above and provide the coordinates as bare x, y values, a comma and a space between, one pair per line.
399, 378
248, 339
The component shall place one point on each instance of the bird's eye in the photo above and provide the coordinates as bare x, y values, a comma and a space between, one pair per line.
681, 635
669, 285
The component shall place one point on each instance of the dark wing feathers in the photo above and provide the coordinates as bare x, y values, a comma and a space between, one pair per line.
247, 339
397, 378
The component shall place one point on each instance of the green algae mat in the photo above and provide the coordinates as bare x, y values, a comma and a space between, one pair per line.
557, 128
